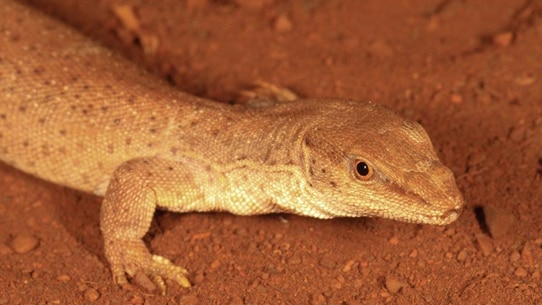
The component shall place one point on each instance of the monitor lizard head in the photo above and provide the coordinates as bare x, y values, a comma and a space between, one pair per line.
367, 161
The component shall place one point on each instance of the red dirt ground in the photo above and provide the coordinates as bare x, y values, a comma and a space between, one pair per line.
469, 71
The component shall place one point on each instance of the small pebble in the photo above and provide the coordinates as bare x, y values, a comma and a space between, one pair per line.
393, 285
515, 256
503, 39
4, 249
433, 24
484, 244
241, 232
456, 98
449, 232
394, 240
215, 264
520, 272
282, 24
137, 300
236, 300
462, 255
517, 134
327, 263
317, 299
125, 13
348, 266
91, 294
527, 255
64, 278
142, 280
198, 277
24, 243
525, 80
188, 300
336, 285
294, 260
150, 43
498, 221
381, 49
476, 158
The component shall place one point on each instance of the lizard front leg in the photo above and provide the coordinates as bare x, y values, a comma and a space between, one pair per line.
136, 189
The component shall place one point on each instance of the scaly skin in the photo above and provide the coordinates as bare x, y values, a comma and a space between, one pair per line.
74, 113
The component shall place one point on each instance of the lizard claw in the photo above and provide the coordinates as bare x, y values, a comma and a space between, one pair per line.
171, 271
135, 261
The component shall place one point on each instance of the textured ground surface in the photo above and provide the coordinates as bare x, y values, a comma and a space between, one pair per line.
469, 71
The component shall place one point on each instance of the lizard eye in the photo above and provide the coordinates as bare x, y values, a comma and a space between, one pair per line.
363, 170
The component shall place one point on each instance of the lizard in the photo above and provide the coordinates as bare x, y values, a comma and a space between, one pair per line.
75, 113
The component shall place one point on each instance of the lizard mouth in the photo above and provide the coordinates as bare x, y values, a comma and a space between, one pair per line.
446, 210
451, 215
443, 219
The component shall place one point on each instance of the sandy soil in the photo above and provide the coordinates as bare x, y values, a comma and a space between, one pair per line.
469, 71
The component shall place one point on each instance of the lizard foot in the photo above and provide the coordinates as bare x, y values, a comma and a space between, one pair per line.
133, 259
264, 94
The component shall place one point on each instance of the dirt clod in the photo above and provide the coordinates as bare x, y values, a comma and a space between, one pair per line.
282, 24
142, 280
498, 221
503, 39
91, 295
485, 245
394, 285
24, 243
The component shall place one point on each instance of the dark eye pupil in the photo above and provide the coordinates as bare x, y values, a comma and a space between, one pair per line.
362, 168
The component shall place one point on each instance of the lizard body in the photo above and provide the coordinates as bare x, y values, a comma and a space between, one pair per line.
76, 114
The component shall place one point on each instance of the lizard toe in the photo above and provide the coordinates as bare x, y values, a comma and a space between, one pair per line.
165, 268
132, 259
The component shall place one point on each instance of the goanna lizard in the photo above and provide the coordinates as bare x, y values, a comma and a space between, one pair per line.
76, 114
